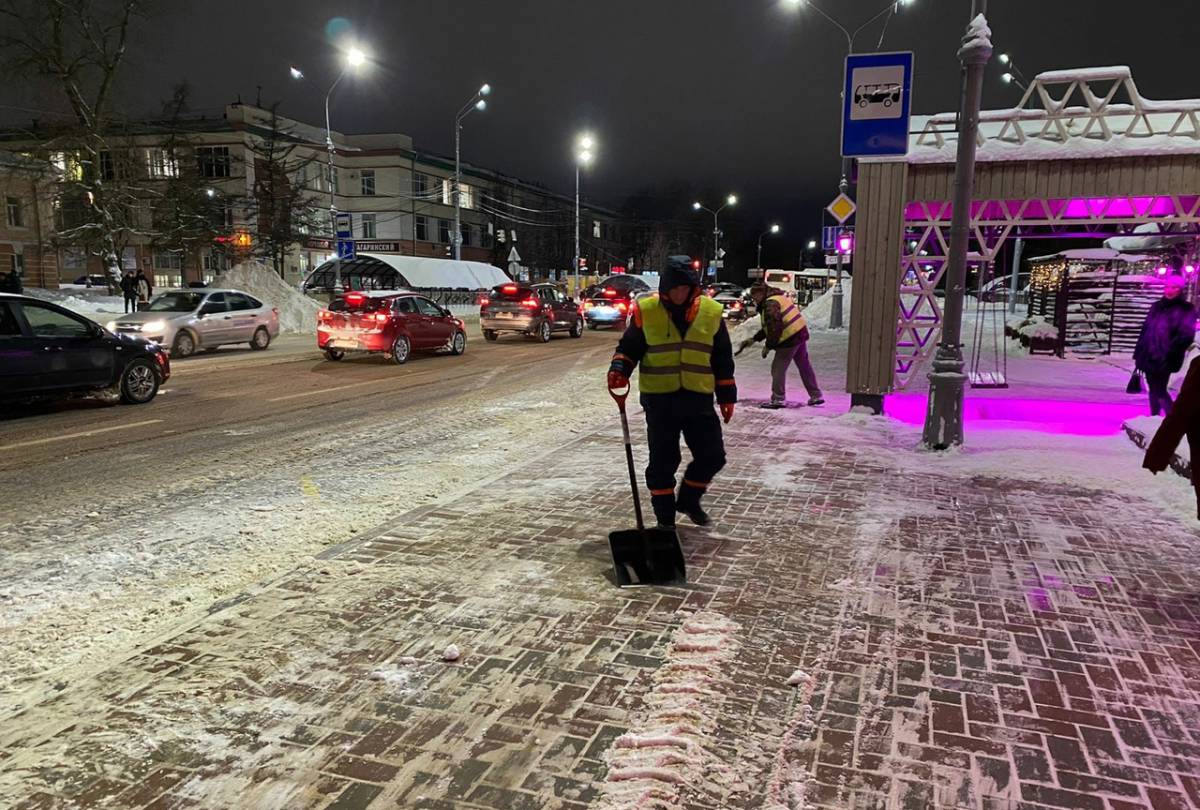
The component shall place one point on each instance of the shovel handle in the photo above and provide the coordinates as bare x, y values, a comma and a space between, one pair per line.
619, 397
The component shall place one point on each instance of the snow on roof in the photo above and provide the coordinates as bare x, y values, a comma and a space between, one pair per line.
1101, 254
426, 273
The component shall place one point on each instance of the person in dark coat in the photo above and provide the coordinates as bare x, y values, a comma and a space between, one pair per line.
1183, 420
679, 343
129, 291
1166, 335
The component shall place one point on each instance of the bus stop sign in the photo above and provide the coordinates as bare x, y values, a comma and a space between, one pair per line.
876, 104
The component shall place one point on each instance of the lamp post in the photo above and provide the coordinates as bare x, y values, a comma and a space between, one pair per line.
354, 58
772, 230
696, 206
1012, 73
585, 146
477, 102
944, 418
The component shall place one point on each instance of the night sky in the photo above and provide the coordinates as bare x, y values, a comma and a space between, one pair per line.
715, 95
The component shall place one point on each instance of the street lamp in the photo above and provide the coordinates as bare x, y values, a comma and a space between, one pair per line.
477, 102
1012, 73
353, 58
772, 230
696, 206
585, 153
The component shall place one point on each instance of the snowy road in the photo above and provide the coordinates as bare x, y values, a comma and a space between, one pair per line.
120, 522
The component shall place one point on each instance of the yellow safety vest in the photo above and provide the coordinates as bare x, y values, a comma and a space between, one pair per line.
793, 318
675, 361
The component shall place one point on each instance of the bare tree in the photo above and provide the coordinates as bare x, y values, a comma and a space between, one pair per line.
282, 205
79, 47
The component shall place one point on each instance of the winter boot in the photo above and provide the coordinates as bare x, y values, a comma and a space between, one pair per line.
688, 503
773, 405
664, 510
815, 401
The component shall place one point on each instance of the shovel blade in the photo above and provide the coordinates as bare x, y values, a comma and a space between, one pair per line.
649, 557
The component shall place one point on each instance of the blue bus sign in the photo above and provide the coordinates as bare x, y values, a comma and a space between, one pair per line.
877, 103
345, 249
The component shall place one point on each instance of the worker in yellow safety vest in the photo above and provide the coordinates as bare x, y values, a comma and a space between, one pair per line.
679, 340
786, 333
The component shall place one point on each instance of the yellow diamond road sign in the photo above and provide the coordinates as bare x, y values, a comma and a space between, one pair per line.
842, 208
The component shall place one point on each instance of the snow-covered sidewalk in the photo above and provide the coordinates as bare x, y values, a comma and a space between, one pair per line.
865, 624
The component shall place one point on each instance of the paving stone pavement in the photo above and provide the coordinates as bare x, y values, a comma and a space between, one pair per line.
962, 643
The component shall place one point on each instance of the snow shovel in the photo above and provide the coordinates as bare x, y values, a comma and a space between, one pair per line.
643, 556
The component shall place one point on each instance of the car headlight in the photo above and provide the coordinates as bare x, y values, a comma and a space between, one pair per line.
111, 326
154, 326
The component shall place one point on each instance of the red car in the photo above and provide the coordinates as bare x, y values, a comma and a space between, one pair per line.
392, 323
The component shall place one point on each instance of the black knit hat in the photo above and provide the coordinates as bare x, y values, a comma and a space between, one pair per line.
679, 272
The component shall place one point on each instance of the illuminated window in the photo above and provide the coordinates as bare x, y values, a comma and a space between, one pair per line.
161, 164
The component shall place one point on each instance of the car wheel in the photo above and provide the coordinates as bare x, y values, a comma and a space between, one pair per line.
334, 355
401, 349
261, 339
458, 343
544, 332
139, 382
184, 345
593, 325
577, 328
490, 334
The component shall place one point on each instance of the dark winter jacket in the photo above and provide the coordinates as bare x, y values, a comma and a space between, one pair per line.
1166, 335
129, 285
1183, 420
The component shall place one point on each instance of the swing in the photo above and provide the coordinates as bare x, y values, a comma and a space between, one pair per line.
988, 316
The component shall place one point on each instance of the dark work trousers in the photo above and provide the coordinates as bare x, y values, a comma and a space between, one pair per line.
130, 303
667, 417
1160, 398
796, 354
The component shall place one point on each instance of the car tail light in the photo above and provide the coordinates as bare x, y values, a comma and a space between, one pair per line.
355, 298
324, 315
621, 307
610, 293
588, 305
509, 288
483, 302
736, 305
531, 303
380, 317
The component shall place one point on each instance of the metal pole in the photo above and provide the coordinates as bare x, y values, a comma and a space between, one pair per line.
716, 245
944, 417
1015, 284
577, 288
835, 309
758, 261
456, 239
337, 258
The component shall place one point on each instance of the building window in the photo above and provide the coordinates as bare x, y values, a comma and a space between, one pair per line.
486, 240
596, 228
304, 265
467, 238
108, 170
444, 231
161, 164
214, 262
74, 259
466, 196
421, 228
168, 260
12, 208
368, 226
420, 183
368, 182
68, 164
212, 161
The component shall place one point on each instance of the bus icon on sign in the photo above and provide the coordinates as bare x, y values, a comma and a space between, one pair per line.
885, 94
876, 92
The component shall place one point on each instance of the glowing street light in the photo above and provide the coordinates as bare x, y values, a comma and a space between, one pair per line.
477, 102
696, 206
585, 153
774, 229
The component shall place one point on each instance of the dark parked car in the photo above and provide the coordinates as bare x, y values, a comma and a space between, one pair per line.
392, 323
533, 310
47, 351
611, 301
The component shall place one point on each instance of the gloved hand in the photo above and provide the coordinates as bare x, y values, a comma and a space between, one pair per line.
745, 344
727, 411
766, 350
617, 380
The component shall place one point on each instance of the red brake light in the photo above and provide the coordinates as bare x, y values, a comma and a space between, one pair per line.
609, 292
509, 288
531, 303
621, 306
355, 298
381, 317
483, 302
323, 315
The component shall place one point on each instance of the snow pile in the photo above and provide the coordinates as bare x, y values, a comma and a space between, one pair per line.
1148, 425
665, 750
817, 313
100, 307
1037, 327
297, 312
979, 36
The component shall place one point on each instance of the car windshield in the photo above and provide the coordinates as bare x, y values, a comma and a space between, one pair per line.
176, 302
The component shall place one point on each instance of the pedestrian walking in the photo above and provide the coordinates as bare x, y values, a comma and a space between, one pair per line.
1167, 333
1183, 420
144, 288
679, 341
785, 332
129, 291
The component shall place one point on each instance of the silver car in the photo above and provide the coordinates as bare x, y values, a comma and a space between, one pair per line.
185, 320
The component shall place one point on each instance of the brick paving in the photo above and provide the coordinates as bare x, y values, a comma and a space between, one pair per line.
958, 642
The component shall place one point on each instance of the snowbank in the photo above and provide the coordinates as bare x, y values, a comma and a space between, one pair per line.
99, 307
817, 313
297, 312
